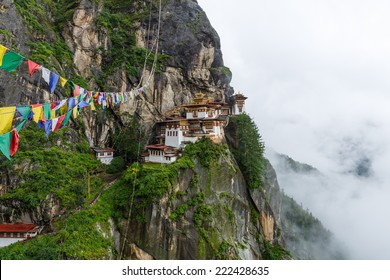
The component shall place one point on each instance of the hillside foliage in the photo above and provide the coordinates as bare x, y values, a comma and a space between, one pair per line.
247, 147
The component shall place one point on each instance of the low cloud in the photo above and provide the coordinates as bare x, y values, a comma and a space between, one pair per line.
317, 77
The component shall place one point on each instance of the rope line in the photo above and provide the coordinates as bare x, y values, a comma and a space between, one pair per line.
139, 140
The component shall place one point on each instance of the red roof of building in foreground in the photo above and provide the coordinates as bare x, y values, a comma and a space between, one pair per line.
18, 228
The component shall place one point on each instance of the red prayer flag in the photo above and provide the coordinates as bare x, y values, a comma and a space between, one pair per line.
76, 91
53, 105
14, 142
32, 67
60, 120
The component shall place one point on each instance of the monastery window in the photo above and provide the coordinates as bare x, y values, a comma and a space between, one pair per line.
12, 234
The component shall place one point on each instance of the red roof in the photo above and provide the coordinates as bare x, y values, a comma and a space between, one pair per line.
17, 227
157, 147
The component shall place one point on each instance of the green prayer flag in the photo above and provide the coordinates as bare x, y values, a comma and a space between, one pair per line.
5, 143
20, 126
47, 111
71, 85
24, 111
11, 61
67, 117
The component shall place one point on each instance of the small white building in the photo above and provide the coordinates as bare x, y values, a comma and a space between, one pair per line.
238, 103
12, 233
160, 154
105, 155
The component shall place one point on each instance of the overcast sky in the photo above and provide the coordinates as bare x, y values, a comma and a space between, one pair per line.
317, 74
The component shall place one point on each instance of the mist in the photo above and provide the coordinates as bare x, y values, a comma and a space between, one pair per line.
317, 74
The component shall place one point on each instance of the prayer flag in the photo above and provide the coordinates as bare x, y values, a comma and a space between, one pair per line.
66, 119
57, 124
24, 111
63, 81
47, 125
64, 108
83, 104
60, 104
40, 125
5, 142
38, 112
53, 81
32, 67
14, 142
20, 125
54, 123
53, 104
71, 103
75, 112
76, 91
46, 111
6, 117
11, 61
93, 108
46, 74
2, 53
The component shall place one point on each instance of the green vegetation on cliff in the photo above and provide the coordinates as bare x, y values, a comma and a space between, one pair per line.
57, 167
248, 148
86, 234
47, 20
83, 235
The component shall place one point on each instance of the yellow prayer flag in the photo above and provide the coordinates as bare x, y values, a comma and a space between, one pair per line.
64, 109
6, 118
38, 112
63, 81
75, 112
2, 53
53, 114
92, 104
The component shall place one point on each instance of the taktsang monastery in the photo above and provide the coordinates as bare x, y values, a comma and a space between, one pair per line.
202, 118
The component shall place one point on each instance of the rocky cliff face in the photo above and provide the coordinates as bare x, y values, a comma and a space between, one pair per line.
191, 48
207, 214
